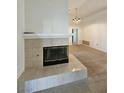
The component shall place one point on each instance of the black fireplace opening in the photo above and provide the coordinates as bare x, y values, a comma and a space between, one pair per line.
55, 55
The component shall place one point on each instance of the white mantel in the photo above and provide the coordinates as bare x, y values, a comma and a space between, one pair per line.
33, 36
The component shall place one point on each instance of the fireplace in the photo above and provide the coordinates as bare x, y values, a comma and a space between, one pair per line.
55, 55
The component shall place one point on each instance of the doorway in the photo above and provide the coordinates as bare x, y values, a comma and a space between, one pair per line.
75, 36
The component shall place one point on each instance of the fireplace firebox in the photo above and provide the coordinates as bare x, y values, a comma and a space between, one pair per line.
55, 55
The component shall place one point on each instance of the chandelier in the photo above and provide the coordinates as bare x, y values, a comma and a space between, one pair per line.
76, 19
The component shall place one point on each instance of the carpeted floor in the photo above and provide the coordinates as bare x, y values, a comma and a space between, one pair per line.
96, 62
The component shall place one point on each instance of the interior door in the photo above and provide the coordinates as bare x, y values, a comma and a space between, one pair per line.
75, 36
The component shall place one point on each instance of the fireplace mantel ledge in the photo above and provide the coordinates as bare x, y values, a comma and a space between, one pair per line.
31, 36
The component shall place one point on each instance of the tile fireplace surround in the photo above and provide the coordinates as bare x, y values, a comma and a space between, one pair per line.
37, 78
34, 50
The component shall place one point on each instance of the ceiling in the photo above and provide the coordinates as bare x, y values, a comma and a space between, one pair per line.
86, 7
75, 3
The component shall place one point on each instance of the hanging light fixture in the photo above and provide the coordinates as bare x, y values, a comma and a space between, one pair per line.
76, 19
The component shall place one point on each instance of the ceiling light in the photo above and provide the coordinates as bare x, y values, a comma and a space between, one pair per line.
76, 19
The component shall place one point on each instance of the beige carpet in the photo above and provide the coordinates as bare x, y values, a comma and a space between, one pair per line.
94, 60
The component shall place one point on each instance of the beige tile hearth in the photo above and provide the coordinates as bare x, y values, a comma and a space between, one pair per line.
33, 79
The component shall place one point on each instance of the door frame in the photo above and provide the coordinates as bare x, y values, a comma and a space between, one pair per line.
77, 35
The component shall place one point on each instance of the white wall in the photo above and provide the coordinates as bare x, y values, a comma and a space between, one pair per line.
46, 16
20, 40
94, 29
